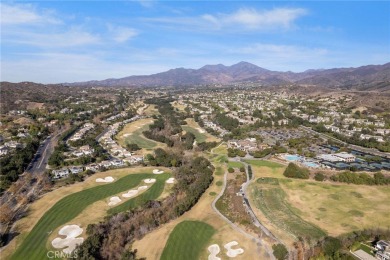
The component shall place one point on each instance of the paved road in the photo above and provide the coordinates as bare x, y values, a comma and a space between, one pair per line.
258, 241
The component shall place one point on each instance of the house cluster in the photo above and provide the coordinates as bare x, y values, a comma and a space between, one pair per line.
382, 249
8, 146
247, 145
81, 132
65, 171
84, 150
115, 150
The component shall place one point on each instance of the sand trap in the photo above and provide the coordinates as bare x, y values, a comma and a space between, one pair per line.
126, 135
71, 241
142, 188
157, 171
114, 200
150, 180
130, 193
170, 180
201, 130
107, 179
214, 250
233, 252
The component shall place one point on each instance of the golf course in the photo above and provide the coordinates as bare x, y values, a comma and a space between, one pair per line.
187, 241
34, 244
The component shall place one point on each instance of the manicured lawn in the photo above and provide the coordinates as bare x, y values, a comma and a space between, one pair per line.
151, 194
138, 138
261, 163
270, 198
235, 164
34, 245
200, 138
187, 241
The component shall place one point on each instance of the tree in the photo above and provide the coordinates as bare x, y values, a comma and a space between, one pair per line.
242, 169
280, 251
133, 147
331, 245
319, 176
231, 170
294, 171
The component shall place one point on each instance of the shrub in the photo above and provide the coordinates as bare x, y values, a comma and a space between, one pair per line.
280, 251
319, 176
231, 170
242, 169
294, 171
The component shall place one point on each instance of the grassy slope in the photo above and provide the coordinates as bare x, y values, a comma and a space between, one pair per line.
200, 138
138, 138
187, 241
235, 164
68, 208
339, 208
270, 198
151, 194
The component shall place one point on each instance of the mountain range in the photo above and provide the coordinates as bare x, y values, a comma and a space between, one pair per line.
365, 77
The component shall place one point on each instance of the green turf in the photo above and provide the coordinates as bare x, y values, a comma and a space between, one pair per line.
34, 245
187, 241
235, 164
365, 248
138, 138
270, 198
260, 163
151, 194
200, 138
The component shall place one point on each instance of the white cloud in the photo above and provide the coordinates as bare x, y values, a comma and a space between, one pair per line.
122, 34
70, 38
25, 14
241, 19
251, 18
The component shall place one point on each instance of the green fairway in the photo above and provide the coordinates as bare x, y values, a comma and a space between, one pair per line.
235, 164
151, 194
264, 163
187, 241
138, 139
200, 138
34, 245
270, 198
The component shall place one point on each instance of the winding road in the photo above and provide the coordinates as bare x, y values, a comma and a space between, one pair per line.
259, 242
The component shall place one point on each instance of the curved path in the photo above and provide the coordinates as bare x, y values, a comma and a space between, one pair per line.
258, 241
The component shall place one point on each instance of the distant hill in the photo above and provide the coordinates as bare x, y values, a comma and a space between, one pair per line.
363, 78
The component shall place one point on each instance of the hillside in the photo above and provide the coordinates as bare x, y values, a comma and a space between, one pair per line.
370, 77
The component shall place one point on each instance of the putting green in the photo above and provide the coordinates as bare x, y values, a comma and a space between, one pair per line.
187, 241
34, 245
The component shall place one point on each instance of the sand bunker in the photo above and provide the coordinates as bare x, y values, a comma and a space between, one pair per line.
107, 179
150, 180
157, 171
233, 252
130, 193
170, 180
201, 130
142, 188
214, 251
71, 241
126, 135
114, 200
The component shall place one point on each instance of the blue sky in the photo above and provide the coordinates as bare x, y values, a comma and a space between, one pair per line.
67, 41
